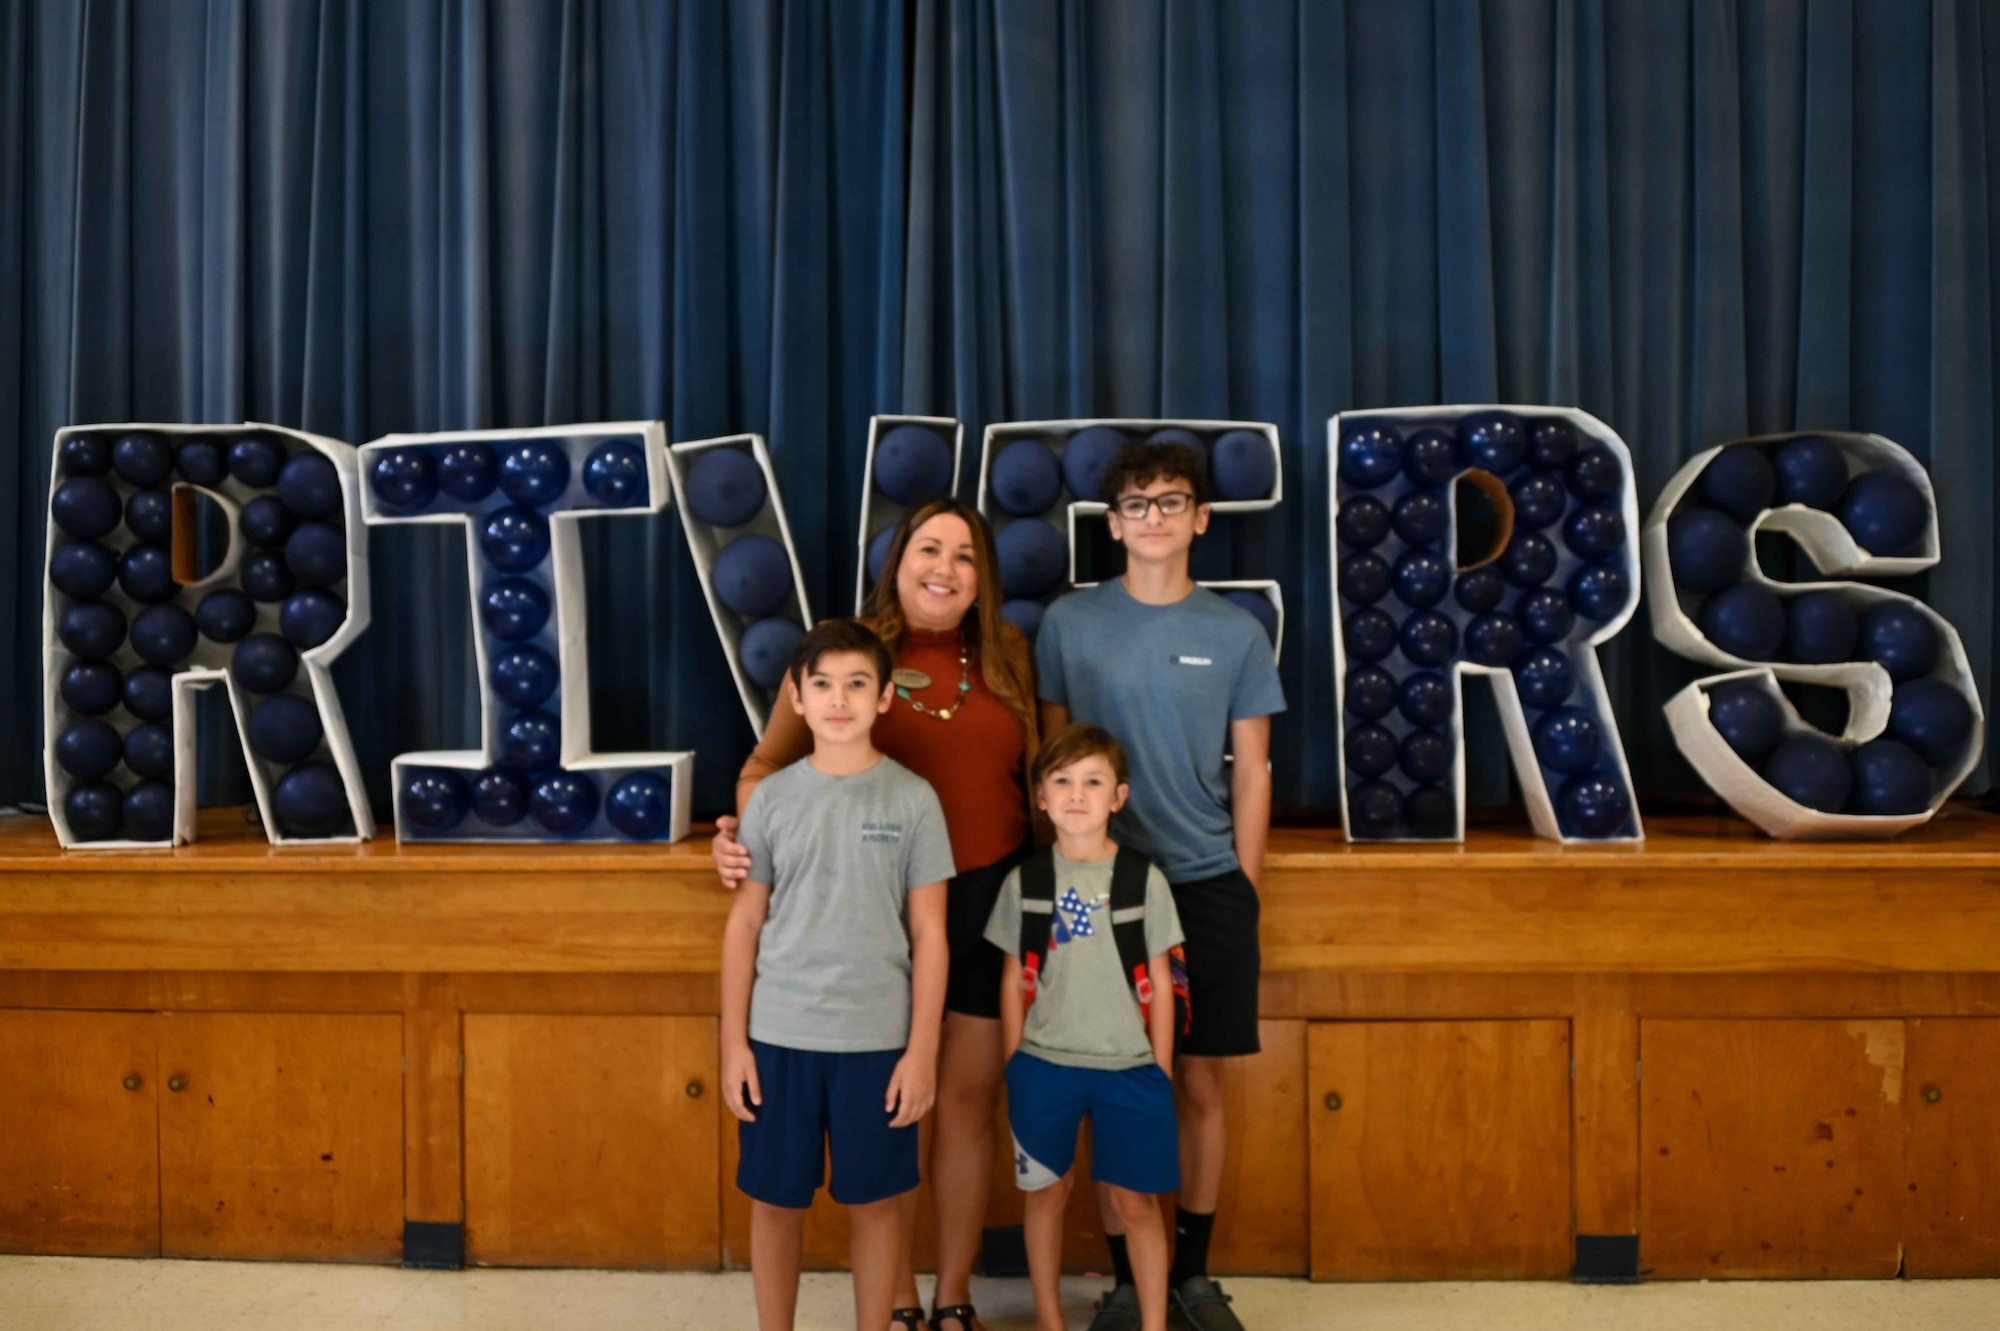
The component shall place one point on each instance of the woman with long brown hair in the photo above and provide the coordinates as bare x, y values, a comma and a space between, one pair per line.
963, 718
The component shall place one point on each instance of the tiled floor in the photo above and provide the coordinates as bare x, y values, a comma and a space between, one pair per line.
84, 1294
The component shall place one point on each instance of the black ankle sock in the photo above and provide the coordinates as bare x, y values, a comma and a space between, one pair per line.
1121, 1262
1191, 1246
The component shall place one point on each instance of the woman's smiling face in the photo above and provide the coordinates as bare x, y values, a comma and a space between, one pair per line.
938, 580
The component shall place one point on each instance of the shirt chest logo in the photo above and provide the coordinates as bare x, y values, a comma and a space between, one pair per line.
885, 833
1194, 660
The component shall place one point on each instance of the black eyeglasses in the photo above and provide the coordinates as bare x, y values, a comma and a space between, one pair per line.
1172, 504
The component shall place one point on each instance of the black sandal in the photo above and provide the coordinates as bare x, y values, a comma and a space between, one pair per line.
962, 1313
910, 1317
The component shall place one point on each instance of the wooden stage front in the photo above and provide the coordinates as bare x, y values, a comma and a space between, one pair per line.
1707, 1055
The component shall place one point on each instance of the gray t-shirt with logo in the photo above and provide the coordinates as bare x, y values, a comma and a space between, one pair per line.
840, 854
1166, 680
1085, 1014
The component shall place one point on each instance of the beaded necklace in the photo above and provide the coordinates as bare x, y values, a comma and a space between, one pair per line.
964, 687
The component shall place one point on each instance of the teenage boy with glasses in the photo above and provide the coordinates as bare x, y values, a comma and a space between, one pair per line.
1182, 676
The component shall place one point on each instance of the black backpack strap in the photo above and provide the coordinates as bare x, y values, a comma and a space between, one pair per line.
1038, 907
1129, 875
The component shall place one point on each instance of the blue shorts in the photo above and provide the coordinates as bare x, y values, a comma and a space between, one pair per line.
1134, 1139
812, 1099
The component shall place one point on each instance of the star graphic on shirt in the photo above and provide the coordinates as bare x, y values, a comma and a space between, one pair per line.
1078, 911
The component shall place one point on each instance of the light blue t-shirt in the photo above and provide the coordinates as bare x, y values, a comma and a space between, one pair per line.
1166, 680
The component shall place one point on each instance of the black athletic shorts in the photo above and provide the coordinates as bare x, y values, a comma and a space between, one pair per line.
1219, 917
974, 986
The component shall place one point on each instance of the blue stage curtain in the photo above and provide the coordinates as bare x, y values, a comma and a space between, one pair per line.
1696, 220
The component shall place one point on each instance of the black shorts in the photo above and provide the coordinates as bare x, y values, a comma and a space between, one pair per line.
974, 986
1219, 917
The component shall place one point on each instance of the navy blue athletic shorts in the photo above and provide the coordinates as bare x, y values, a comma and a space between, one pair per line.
813, 1100
1134, 1141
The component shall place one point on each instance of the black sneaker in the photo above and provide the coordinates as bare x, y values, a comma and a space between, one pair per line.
1200, 1305
1118, 1311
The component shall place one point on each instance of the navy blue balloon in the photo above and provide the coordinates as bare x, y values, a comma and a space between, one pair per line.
149, 693
92, 630
1546, 615
149, 750
531, 742
95, 810
1494, 440
1431, 813
1243, 466
499, 797
85, 507
266, 522
1820, 628
285, 729
1594, 474
1810, 472
1370, 750
640, 806
88, 749
92, 687
1551, 445
1901, 637
1421, 517
1430, 457
1810, 770
202, 462
86, 455
264, 663
1258, 606
146, 574
402, 478
565, 802
753, 575
1600, 591
1174, 434
311, 617
1085, 458
1374, 808
150, 515
266, 576
1026, 479
1931, 717
1428, 638
1425, 755
311, 802
534, 472
1889, 779
310, 486
515, 539
1480, 589
525, 676
467, 472
1494, 639
1024, 615
1529, 559
767, 646
1750, 720
1362, 521
514, 609
615, 474
1568, 739
1034, 558
1370, 692
1739, 481
435, 799
163, 635
1595, 532
1706, 549
1746, 621
317, 554
1364, 579
725, 487
1884, 511
1594, 805
256, 462
83, 570
912, 464
1370, 454
878, 552
1544, 678
149, 811
1425, 698
143, 459
1422, 578
1369, 635
1538, 500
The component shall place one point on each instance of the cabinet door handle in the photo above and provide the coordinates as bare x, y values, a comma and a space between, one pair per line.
131, 1081
1333, 1101
1933, 1094
176, 1083
694, 1090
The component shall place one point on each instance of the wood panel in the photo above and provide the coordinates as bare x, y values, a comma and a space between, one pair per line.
1605, 1103
1771, 1148
433, 1090
1953, 1112
286, 1137
79, 1171
591, 1141
1440, 1150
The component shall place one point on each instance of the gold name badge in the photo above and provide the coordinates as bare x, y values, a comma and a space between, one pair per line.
906, 678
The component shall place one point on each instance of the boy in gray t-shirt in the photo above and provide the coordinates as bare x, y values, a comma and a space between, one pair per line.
833, 975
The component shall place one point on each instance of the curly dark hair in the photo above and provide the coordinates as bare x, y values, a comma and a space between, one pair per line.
1140, 463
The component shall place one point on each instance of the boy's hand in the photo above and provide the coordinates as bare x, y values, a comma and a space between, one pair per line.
732, 862
912, 1088
740, 1088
